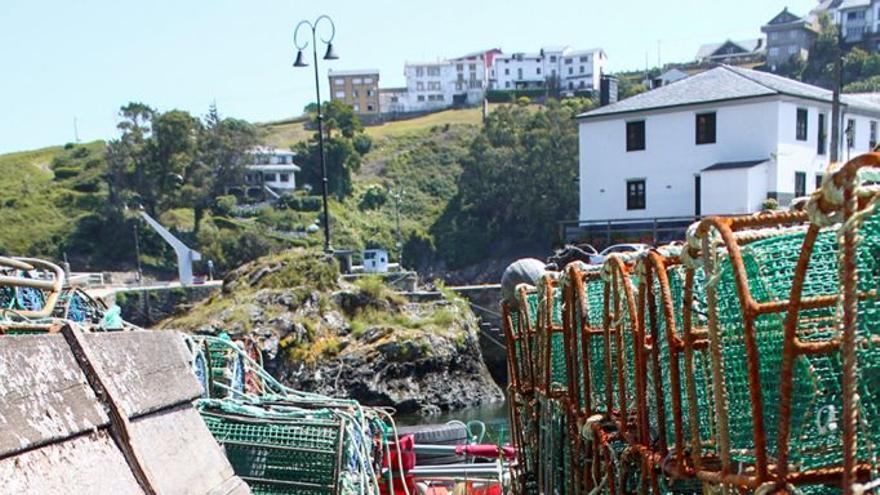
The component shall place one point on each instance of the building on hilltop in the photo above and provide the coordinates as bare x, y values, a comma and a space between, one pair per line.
789, 36
460, 81
732, 52
718, 142
392, 100
859, 22
358, 88
269, 173
572, 70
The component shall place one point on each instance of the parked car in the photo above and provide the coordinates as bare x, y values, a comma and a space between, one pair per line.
598, 259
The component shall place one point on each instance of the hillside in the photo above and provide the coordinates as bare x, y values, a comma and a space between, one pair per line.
45, 193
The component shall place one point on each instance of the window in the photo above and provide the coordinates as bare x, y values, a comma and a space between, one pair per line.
393, 99
283, 177
820, 145
269, 177
369, 108
420, 86
585, 59
635, 194
357, 108
583, 69
873, 137
553, 59
368, 80
506, 84
773, 51
635, 135
819, 180
354, 93
421, 97
538, 70
433, 71
519, 74
281, 160
507, 72
472, 67
850, 132
705, 128
568, 61
369, 92
801, 126
553, 73
459, 67
339, 81
583, 84
800, 184
357, 80
792, 49
571, 70
570, 85
420, 71
340, 94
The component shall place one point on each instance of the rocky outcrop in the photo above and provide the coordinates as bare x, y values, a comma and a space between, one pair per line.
360, 340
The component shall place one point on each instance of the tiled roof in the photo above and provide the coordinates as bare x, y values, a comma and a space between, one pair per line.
725, 83
749, 46
352, 72
734, 165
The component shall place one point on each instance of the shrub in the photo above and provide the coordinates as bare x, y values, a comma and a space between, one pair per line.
523, 101
374, 197
362, 144
300, 203
224, 205
770, 204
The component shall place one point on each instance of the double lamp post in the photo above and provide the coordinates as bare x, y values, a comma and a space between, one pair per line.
330, 54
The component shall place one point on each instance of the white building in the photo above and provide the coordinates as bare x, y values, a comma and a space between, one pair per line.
459, 81
859, 20
718, 142
576, 70
270, 172
668, 77
429, 85
732, 51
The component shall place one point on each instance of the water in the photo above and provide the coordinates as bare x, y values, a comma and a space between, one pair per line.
493, 415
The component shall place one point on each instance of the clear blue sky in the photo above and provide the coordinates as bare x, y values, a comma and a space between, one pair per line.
84, 59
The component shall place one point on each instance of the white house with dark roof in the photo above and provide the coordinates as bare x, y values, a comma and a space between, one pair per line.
789, 36
718, 142
576, 70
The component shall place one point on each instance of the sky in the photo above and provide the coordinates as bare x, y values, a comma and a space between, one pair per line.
67, 66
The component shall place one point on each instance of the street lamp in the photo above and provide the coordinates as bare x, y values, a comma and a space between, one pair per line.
330, 54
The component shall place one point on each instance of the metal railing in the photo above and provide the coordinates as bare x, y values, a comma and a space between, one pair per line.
603, 233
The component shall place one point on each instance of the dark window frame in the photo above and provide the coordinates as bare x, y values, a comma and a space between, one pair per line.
821, 135
819, 178
800, 184
636, 194
801, 128
706, 128
635, 135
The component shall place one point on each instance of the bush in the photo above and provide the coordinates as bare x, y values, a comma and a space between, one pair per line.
770, 204
300, 203
224, 205
362, 144
523, 101
374, 197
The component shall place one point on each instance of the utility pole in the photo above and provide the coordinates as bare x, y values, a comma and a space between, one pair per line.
835, 102
398, 198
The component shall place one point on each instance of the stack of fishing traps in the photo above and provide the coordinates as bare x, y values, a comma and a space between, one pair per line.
746, 359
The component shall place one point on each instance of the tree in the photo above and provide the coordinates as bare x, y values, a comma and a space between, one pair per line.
517, 181
344, 142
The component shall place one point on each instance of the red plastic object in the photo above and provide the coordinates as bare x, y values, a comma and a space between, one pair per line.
409, 479
487, 451
402, 450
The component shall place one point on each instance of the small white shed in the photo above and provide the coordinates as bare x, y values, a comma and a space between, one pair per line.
375, 260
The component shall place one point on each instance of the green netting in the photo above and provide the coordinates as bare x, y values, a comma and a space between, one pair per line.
595, 295
816, 399
291, 456
554, 461
702, 364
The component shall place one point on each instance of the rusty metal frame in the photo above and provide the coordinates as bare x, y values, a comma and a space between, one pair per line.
53, 287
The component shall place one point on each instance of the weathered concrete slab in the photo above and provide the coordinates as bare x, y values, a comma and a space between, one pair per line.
190, 465
148, 370
55, 431
45, 396
89, 464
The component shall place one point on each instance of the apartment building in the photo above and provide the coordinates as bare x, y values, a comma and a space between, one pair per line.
573, 70
358, 88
